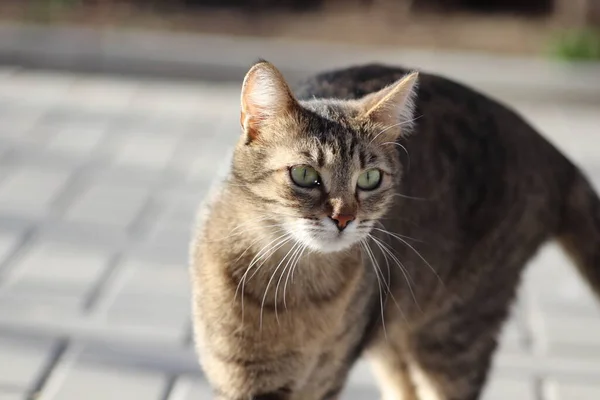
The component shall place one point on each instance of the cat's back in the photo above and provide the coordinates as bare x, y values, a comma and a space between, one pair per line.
357, 81
348, 83
454, 124
467, 149
451, 119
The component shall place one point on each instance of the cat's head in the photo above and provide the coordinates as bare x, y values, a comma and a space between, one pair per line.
322, 171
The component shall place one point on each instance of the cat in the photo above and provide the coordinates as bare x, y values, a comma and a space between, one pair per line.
380, 212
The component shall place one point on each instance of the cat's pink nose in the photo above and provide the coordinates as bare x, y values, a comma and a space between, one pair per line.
342, 220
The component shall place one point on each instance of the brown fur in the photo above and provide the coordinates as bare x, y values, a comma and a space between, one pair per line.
467, 197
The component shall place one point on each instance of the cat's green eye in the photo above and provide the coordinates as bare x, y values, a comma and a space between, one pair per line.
369, 180
305, 176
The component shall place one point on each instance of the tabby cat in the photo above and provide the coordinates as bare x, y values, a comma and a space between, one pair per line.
375, 212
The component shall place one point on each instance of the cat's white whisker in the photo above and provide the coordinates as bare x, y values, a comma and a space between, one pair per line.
401, 146
264, 250
390, 250
376, 269
272, 251
262, 305
255, 241
304, 247
254, 222
389, 280
387, 232
399, 238
281, 240
387, 128
250, 229
287, 265
409, 197
407, 277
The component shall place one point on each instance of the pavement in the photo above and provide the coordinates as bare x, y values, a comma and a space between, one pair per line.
174, 54
99, 180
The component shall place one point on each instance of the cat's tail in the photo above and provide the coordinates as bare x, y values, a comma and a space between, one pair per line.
579, 233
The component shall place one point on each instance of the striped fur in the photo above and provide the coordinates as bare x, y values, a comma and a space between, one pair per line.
423, 279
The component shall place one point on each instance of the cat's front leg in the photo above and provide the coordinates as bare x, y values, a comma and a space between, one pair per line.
389, 365
235, 377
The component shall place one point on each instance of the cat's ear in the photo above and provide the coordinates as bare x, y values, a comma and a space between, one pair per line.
392, 106
265, 96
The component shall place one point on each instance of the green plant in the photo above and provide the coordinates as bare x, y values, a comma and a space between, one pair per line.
577, 45
61, 3
45, 10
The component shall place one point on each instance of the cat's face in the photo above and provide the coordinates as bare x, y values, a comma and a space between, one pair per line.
324, 172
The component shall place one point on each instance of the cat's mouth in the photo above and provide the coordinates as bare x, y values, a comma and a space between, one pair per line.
324, 236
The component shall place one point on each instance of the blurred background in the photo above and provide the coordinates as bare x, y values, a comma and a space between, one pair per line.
562, 27
115, 116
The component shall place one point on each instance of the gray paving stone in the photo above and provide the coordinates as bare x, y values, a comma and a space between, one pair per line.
512, 337
7, 243
23, 362
147, 122
571, 296
9, 394
188, 152
76, 116
14, 225
17, 125
144, 151
37, 138
505, 389
7, 72
572, 128
361, 374
78, 140
184, 100
207, 165
360, 392
176, 216
573, 336
56, 270
79, 377
113, 175
85, 328
41, 88
103, 237
167, 319
194, 389
33, 306
101, 93
571, 390
539, 364
153, 279
37, 157
150, 295
105, 204
169, 240
186, 388
30, 191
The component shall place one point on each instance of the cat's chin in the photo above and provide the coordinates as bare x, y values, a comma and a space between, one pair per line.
330, 246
